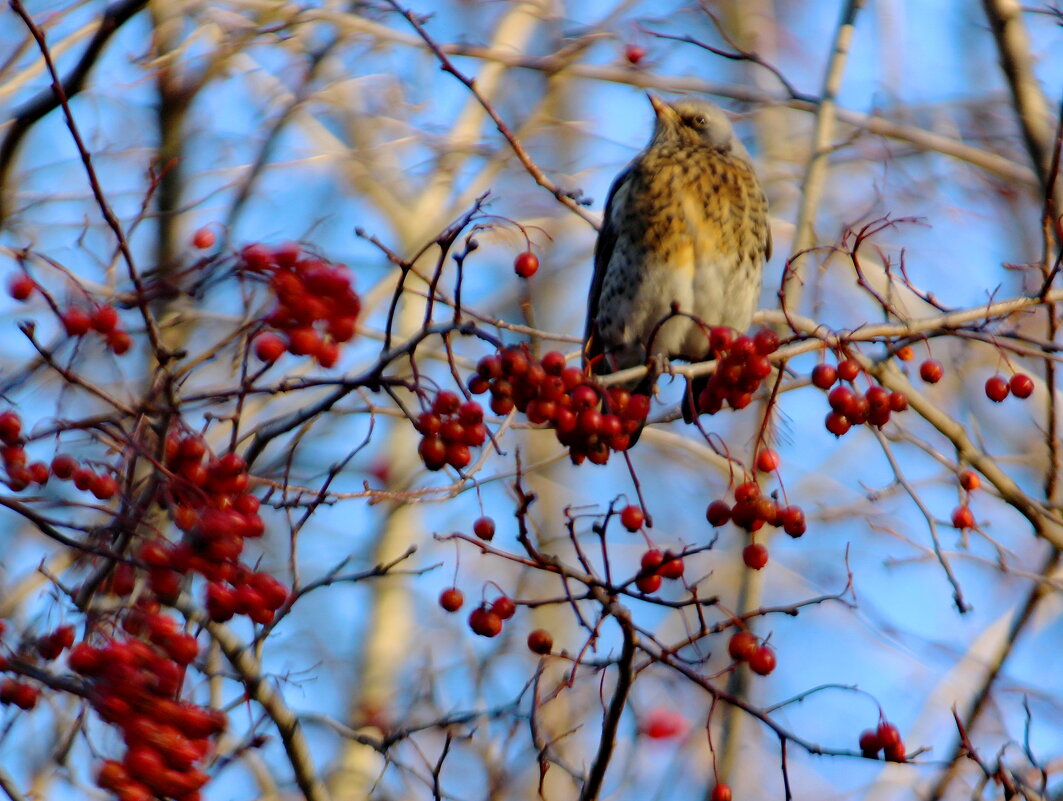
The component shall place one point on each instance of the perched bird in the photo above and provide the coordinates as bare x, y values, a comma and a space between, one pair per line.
685, 227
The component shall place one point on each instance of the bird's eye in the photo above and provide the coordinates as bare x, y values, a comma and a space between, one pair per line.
700, 121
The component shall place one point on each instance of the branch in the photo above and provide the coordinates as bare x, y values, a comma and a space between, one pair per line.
566, 199
46, 101
816, 173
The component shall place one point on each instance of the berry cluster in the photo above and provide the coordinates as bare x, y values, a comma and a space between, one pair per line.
316, 311
849, 407
590, 421
751, 511
19, 693
134, 683
78, 321
21, 473
885, 738
207, 499
742, 365
657, 565
744, 647
997, 387
448, 430
962, 516
486, 619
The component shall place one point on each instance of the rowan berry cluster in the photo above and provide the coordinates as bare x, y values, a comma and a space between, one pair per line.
745, 647
448, 430
134, 683
207, 499
656, 565
849, 407
752, 511
21, 473
589, 420
962, 516
19, 693
486, 619
885, 738
742, 364
316, 309
78, 321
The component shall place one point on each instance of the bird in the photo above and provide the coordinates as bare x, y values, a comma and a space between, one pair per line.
681, 248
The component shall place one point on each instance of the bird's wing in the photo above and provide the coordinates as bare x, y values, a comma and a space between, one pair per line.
603, 252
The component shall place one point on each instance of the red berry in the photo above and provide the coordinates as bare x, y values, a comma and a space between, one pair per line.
747, 492
484, 528
327, 354
742, 645
762, 662
931, 371
451, 599
765, 341
526, 264
898, 401
76, 321
632, 518
793, 521
104, 487
996, 388
458, 455
540, 641
652, 559
10, 428
894, 752
269, 347
671, 567
1021, 385
962, 517
663, 724
869, 743
21, 286
824, 376
906, 354
485, 622
755, 556
203, 238
720, 338
878, 399
504, 607
888, 734
648, 584
718, 513
303, 341
841, 399
970, 480
119, 342
848, 370
104, 319
553, 363
433, 452
634, 53
256, 257
837, 423
767, 460
721, 792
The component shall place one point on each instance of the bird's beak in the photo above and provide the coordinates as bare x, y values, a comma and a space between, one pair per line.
659, 105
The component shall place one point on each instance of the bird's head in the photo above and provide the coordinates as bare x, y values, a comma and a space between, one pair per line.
694, 122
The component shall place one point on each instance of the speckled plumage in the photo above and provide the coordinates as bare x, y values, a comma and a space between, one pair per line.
685, 222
